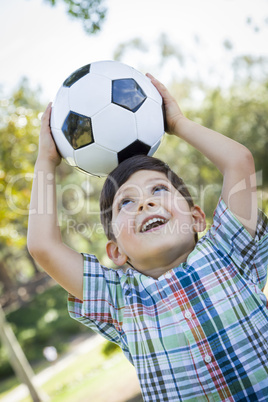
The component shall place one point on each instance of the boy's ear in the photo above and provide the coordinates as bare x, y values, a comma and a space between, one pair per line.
199, 219
115, 254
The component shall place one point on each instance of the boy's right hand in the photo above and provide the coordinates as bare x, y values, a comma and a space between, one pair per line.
47, 147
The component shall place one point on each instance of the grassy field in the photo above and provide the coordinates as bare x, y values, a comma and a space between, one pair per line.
92, 377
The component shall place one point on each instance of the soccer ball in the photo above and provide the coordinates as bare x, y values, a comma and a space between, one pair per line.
104, 113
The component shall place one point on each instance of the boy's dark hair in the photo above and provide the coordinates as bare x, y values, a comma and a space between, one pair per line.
122, 173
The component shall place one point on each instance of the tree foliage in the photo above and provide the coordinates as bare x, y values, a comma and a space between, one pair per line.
19, 130
91, 12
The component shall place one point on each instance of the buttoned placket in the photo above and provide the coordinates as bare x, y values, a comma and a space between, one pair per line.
188, 315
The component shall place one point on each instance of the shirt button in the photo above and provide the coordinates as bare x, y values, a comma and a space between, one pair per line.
208, 359
188, 314
168, 275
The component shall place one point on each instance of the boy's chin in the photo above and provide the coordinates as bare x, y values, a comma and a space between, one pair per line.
164, 256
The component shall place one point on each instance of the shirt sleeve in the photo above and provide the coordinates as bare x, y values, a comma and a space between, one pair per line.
249, 254
102, 307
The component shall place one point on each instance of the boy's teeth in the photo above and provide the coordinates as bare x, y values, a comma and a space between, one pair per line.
151, 222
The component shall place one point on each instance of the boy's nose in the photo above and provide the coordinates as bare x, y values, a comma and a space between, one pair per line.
145, 204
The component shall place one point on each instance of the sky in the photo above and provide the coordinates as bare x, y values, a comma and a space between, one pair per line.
45, 45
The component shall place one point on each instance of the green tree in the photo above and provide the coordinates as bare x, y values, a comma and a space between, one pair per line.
20, 122
91, 12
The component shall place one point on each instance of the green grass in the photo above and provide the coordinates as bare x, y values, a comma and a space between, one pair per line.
88, 377
45, 321
42, 322
7, 385
90, 383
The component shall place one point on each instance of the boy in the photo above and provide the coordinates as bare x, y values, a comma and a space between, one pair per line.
190, 316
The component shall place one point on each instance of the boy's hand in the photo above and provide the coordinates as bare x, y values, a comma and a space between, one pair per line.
172, 110
233, 160
47, 147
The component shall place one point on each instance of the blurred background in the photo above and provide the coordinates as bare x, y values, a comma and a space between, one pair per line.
213, 57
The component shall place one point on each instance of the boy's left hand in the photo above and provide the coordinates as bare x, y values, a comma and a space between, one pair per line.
47, 147
172, 111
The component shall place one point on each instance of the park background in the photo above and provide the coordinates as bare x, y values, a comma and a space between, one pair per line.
212, 55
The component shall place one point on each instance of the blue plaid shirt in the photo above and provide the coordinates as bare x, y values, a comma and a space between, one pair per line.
200, 331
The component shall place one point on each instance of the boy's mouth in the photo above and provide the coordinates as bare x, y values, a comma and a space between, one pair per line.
151, 223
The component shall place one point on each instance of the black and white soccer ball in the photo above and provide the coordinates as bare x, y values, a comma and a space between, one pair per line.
104, 113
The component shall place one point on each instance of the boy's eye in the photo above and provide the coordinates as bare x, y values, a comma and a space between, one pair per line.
123, 203
159, 187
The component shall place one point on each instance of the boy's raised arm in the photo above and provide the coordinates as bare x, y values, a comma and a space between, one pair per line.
233, 160
44, 239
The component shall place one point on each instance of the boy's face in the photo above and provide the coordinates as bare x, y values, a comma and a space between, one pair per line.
153, 224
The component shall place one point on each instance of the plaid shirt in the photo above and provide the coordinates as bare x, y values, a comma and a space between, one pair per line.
200, 331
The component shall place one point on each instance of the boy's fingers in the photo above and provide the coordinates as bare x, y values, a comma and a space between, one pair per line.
46, 114
150, 76
159, 86
153, 79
